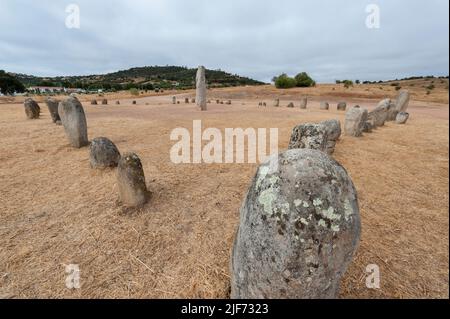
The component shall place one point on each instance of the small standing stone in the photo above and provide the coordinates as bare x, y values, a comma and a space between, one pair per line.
32, 109
290, 105
104, 101
186, 100
276, 103
228, 102
402, 118
324, 106
117, 102
94, 102
402, 102
192, 100
303, 102
334, 131
103, 153
342, 106
174, 100
131, 180
52, 105
368, 127
354, 121
134, 102
74, 121
312, 136
299, 229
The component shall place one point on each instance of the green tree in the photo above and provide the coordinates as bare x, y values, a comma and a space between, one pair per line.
9, 84
304, 80
284, 82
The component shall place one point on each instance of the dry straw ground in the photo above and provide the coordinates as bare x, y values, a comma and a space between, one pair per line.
55, 210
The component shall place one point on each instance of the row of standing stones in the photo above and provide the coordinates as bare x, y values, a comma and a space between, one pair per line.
103, 153
299, 223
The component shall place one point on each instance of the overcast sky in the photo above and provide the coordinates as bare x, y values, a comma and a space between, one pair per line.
328, 39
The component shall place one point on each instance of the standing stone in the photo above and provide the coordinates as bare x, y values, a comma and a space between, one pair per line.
104, 101
402, 118
264, 104
341, 106
217, 101
201, 88
391, 109
334, 131
228, 102
192, 100
103, 153
174, 100
299, 229
52, 105
380, 114
117, 102
354, 121
276, 103
324, 106
186, 100
303, 102
312, 136
134, 102
402, 102
291, 105
32, 109
131, 180
94, 102
74, 121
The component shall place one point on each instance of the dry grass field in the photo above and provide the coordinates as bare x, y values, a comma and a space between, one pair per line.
55, 210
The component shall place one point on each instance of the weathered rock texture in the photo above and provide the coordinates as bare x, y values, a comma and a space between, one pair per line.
354, 121
303, 102
74, 121
103, 153
402, 102
333, 128
324, 106
200, 81
380, 114
368, 126
312, 136
342, 106
299, 228
131, 181
32, 109
402, 118
52, 105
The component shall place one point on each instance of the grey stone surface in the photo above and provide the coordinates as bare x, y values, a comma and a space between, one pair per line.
131, 181
52, 105
368, 127
380, 114
299, 229
334, 131
32, 109
308, 135
200, 91
402, 118
402, 102
354, 121
103, 153
73, 119
303, 102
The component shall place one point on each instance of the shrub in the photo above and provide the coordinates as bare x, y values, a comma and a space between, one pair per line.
398, 88
9, 84
430, 87
304, 80
134, 91
284, 82
347, 83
